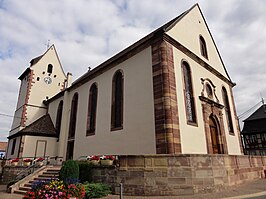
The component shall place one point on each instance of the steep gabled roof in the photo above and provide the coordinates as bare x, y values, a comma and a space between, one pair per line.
254, 126
260, 113
41, 127
35, 60
163, 28
256, 122
124, 54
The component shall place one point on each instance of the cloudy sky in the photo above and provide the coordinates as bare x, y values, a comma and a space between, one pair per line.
87, 32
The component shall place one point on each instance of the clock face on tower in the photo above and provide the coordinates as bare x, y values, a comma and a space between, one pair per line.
47, 80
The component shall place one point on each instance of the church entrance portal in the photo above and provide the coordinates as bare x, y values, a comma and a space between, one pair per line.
214, 136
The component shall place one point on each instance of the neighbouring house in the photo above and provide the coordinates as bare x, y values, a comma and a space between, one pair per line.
254, 132
3, 146
168, 93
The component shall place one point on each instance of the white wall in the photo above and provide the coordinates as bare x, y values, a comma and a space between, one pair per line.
187, 32
16, 148
138, 133
193, 138
57, 76
30, 145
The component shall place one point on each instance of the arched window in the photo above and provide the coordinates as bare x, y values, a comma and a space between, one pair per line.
59, 118
91, 121
50, 68
117, 101
227, 110
203, 47
73, 116
209, 91
188, 92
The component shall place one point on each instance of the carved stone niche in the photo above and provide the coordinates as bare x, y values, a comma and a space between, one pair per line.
208, 90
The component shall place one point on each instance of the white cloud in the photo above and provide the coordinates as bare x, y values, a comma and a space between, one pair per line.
88, 32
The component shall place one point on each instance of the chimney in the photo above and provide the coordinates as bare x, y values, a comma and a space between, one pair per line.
68, 80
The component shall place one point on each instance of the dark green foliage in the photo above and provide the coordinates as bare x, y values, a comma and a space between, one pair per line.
69, 170
96, 190
85, 171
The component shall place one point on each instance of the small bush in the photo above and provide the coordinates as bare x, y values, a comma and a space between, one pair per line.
69, 170
85, 171
96, 190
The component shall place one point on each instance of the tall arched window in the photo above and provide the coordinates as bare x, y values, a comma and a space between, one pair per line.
59, 117
188, 92
227, 111
203, 47
73, 116
91, 121
117, 101
50, 68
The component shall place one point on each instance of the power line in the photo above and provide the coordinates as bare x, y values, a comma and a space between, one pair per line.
6, 115
242, 114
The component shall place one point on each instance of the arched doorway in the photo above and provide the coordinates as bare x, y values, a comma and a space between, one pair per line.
214, 131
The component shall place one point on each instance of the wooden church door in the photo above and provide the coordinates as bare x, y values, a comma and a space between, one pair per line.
214, 136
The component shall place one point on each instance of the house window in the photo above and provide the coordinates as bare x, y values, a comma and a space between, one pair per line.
203, 47
227, 111
188, 93
91, 121
73, 116
50, 68
117, 101
13, 146
59, 118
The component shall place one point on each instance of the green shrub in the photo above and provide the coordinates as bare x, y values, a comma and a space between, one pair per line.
96, 190
85, 171
69, 171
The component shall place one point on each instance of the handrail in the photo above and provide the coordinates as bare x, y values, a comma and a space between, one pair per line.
35, 164
30, 169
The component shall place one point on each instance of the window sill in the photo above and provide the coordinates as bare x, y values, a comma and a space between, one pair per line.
192, 124
90, 133
231, 133
116, 128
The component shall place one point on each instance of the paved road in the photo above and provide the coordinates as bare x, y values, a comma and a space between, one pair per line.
250, 190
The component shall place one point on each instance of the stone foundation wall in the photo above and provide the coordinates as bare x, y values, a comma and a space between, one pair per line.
10, 173
180, 174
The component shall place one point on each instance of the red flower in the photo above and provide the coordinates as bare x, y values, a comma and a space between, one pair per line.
110, 157
27, 160
107, 157
39, 159
15, 160
95, 157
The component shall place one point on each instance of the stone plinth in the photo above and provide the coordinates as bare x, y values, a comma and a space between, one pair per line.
170, 175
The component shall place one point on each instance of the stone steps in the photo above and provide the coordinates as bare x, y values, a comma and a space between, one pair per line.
46, 175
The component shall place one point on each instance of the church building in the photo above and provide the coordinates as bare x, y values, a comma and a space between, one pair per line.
168, 93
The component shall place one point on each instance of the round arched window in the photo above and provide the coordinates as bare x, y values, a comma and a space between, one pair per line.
209, 90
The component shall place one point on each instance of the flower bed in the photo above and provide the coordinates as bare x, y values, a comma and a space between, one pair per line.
55, 189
